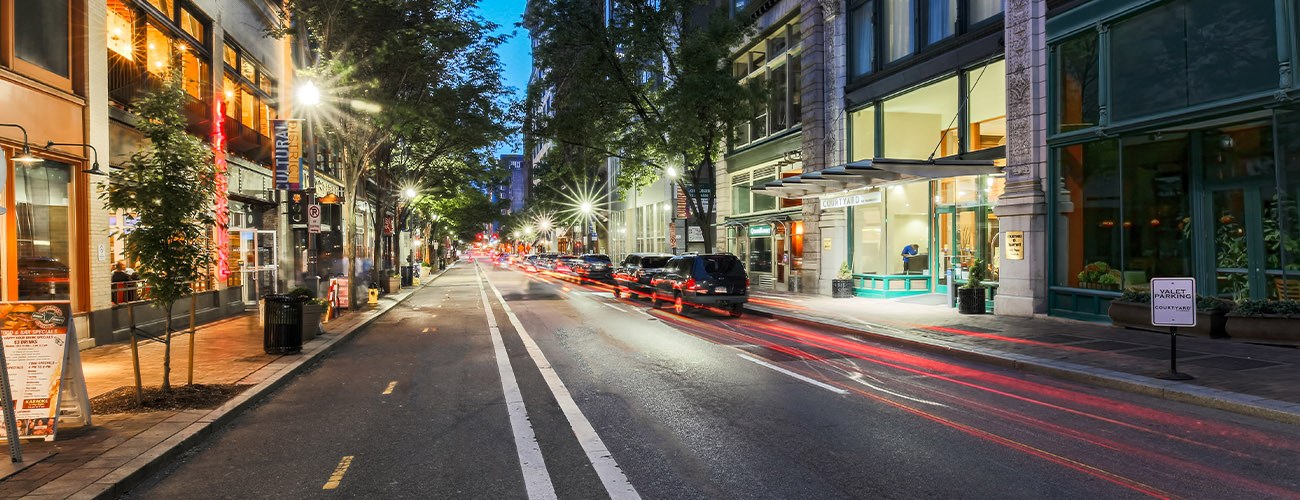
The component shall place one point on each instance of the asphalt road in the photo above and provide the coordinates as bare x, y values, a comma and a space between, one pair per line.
621, 400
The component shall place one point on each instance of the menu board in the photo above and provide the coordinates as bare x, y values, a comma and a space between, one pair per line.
36, 338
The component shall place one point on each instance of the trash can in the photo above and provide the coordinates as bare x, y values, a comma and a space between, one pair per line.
407, 275
282, 324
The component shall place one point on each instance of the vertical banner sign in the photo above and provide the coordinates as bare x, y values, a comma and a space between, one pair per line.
40, 353
313, 218
388, 225
287, 153
222, 199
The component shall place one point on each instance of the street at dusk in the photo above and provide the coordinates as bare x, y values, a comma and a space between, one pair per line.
661, 249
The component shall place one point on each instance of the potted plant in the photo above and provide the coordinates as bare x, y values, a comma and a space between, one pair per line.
1133, 310
970, 297
1099, 276
312, 311
842, 285
1270, 321
394, 281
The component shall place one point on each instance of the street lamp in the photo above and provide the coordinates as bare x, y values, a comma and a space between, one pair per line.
26, 156
308, 94
409, 192
671, 171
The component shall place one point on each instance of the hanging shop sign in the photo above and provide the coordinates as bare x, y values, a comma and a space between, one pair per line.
42, 367
288, 153
760, 230
850, 200
1015, 245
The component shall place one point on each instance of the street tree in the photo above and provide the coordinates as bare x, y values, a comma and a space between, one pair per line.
169, 186
413, 88
647, 82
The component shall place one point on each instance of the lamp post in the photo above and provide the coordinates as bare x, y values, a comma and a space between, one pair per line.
309, 96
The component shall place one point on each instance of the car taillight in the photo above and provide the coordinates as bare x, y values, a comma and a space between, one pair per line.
746, 282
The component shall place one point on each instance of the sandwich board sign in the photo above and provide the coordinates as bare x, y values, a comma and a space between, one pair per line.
41, 369
1173, 302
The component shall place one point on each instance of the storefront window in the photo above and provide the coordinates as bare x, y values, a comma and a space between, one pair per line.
760, 252
918, 121
1076, 81
862, 126
1192, 51
987, 88
907, 222
1156, 224
41, 37
43, 217
1089, 224
868, 238
900, 34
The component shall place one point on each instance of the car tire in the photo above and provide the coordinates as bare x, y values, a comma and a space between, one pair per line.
654, 299
679, 305
618, 292
736, 310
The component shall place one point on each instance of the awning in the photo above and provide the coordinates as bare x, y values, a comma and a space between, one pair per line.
864, 173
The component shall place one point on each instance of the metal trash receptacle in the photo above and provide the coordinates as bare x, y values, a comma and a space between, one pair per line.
282, 324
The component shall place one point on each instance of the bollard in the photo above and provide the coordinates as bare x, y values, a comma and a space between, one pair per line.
373, 297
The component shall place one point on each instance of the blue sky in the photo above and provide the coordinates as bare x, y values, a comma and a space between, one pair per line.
516, 54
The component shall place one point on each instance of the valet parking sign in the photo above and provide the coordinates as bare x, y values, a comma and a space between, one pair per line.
1173, 302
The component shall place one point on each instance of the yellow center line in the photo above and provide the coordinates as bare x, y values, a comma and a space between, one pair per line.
426, 330
389, 389
339, 470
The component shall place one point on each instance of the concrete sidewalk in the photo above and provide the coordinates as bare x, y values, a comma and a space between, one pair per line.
104, 460
1253, 379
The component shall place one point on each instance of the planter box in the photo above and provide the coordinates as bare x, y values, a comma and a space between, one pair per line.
311, 315
971, 300
1271, 329
842, 289
1137, 316
394, 284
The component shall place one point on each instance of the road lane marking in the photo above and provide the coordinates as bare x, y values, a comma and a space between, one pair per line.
426, 330
339, 471
389, 390
614, 307
817, 383
537, 480
616, 483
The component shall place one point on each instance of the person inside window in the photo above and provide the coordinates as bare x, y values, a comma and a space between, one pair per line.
123, 289
908, 252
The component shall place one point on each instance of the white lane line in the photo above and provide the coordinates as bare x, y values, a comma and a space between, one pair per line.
537, 480
817, 383
616, 483
614, 307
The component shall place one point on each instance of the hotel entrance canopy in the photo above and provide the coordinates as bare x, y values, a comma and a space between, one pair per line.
864, 173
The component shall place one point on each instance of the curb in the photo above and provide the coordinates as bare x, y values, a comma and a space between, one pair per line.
1245, 404
280, 372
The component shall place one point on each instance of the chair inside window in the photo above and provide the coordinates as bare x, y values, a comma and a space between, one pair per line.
1287, 289
1136, 280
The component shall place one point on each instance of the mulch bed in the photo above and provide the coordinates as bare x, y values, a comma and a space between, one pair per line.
181, 397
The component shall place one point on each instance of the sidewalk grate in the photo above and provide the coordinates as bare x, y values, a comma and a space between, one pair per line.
1232, 364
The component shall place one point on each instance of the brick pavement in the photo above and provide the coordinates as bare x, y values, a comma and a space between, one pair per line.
1242, 371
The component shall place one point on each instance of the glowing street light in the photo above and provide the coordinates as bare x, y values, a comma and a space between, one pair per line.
585, 207
671, 172
308, 94
409, 192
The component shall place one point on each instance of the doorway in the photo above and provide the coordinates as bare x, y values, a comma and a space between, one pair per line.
257, 249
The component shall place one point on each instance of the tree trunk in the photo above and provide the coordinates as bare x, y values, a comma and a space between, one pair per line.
167, 352
349, 246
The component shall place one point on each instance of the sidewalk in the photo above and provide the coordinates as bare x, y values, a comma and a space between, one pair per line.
1245, 378
119, 450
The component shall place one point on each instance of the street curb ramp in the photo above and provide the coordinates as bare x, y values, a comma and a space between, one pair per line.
273, 376
1255, 406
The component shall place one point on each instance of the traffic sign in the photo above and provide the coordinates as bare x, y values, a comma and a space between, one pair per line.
313, 218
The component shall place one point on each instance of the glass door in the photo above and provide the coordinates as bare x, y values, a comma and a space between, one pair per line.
1241, 269
258, 265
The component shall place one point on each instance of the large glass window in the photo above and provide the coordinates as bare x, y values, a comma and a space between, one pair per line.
1192, 51
917, 122
770, 68
943, 19
194, 71
120, 27
1076, 83
43, 217
1156, 222
158, 50
192, 25
869, 238
981, 10
1089, 223
862, 33
907, 212
987, 88
41, 34
778, 102
862, 127
900, 34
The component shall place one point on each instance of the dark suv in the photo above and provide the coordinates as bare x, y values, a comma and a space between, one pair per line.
594, 267
714, 280
634, 273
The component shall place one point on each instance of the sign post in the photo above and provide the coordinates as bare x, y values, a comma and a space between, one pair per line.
1173, 304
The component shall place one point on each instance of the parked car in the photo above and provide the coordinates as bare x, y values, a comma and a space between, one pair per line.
594, 267
546, 261
634, 273
712, 280
563, 264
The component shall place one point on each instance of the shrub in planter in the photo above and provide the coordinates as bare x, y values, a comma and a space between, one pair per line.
1273, 321
1099, 276
842, 285
1133, 310
971, 296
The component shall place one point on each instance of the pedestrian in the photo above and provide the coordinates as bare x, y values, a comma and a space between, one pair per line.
121, 283
908, 252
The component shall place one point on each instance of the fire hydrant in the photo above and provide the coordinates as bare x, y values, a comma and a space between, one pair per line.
373, 298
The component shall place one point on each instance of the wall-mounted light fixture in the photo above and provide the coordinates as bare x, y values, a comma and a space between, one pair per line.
94, 165
26, 156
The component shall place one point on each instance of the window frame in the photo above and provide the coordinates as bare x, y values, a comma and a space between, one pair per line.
9, 52
920, 32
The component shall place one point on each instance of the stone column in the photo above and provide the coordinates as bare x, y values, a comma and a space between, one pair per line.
96, 61
822, 100
1023, 206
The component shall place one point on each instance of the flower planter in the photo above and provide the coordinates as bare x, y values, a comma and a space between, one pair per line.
311, 316
842, 289
1100, 286
1137, 316
971, 300
394, 284
1269, 328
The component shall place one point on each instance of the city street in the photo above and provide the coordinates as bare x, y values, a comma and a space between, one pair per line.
702, 406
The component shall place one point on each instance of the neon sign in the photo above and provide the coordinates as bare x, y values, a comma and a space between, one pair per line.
222, 215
